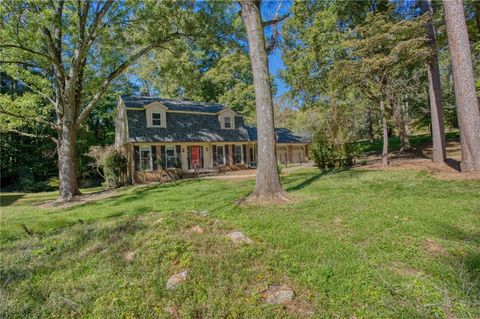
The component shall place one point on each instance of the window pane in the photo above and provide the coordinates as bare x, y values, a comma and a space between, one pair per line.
238, 154
145, 163
171, 156
228, 123
156, 119
219, 157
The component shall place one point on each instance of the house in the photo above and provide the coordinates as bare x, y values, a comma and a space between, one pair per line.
186, 138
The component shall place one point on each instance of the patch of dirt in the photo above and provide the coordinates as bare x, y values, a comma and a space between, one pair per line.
82, 199
403, 270
420, 159
434, 248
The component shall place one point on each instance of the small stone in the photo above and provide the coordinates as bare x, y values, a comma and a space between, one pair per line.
173, 310
197, 229
239, 238
278, 294
129, 255
203, 213
176, 279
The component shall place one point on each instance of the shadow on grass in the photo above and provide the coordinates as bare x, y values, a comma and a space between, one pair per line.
315, 178
9, 199
466, 262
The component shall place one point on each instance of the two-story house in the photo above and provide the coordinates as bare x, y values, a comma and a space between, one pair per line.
185, 137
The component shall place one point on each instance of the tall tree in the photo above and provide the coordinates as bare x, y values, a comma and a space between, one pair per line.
267, 185
79, 48
434, 89
465, 95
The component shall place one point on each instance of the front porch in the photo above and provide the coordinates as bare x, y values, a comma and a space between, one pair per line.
158, 162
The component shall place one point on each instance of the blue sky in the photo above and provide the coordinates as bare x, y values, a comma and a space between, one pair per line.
275, 58
275, 65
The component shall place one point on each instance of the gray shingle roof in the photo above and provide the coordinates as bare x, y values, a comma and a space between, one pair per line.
193, 127
184, 127
283, 135
175, 105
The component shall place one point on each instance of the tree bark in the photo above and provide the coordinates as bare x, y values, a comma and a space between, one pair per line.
465, 94
385, 134
67, 159
400, 125
267, 186
435, 91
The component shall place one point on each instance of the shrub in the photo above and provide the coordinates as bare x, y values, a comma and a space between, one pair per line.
54, 182
115, 168
327, 154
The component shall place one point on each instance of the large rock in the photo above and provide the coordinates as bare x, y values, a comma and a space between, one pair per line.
278, 294
176, 279
239, 238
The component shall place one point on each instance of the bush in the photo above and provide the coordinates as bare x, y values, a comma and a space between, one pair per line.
327, 154
54, 182
115, 168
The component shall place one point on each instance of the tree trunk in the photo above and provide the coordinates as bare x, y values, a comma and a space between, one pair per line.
371, 135
385, 134
267, 185
67, 159
465, 95
400, 125
435, 91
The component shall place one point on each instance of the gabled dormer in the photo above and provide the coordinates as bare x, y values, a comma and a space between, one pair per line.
156, 115
227, 119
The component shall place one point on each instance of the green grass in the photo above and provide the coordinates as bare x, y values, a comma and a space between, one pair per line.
394, 142
369, 244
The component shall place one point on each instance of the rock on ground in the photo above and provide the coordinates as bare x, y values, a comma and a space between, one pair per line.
129, 255
239, 238
176, 279
197, 229
278, 294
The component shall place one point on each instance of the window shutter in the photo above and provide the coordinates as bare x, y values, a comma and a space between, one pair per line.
214, 150
136, 155
201, 156
154, 157
189, 154
178, 149
162, 156
227, 155
244, 151
232, 147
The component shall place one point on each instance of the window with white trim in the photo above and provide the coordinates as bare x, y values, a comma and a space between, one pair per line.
220, 155
238, 154
145, 158
171, 156
227, 122
157, 119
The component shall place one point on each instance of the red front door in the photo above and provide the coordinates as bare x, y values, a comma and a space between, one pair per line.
195, 156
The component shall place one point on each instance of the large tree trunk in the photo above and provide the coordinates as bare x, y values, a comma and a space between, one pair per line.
400, 125
267, 185
67, 159
385, 134
435, 91
465, 95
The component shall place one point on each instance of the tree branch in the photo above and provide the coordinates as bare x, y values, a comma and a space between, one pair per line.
53, 139
119, 70
29, 118
275, 20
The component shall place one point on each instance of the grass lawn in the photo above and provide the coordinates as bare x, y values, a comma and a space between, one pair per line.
356, 244
394, 142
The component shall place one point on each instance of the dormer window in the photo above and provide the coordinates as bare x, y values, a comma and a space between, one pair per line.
228, 122
157, 119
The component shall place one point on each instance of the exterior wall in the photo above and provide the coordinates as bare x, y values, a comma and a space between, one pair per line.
286, 154
225, 113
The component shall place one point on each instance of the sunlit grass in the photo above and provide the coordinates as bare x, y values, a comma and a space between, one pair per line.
373, 244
